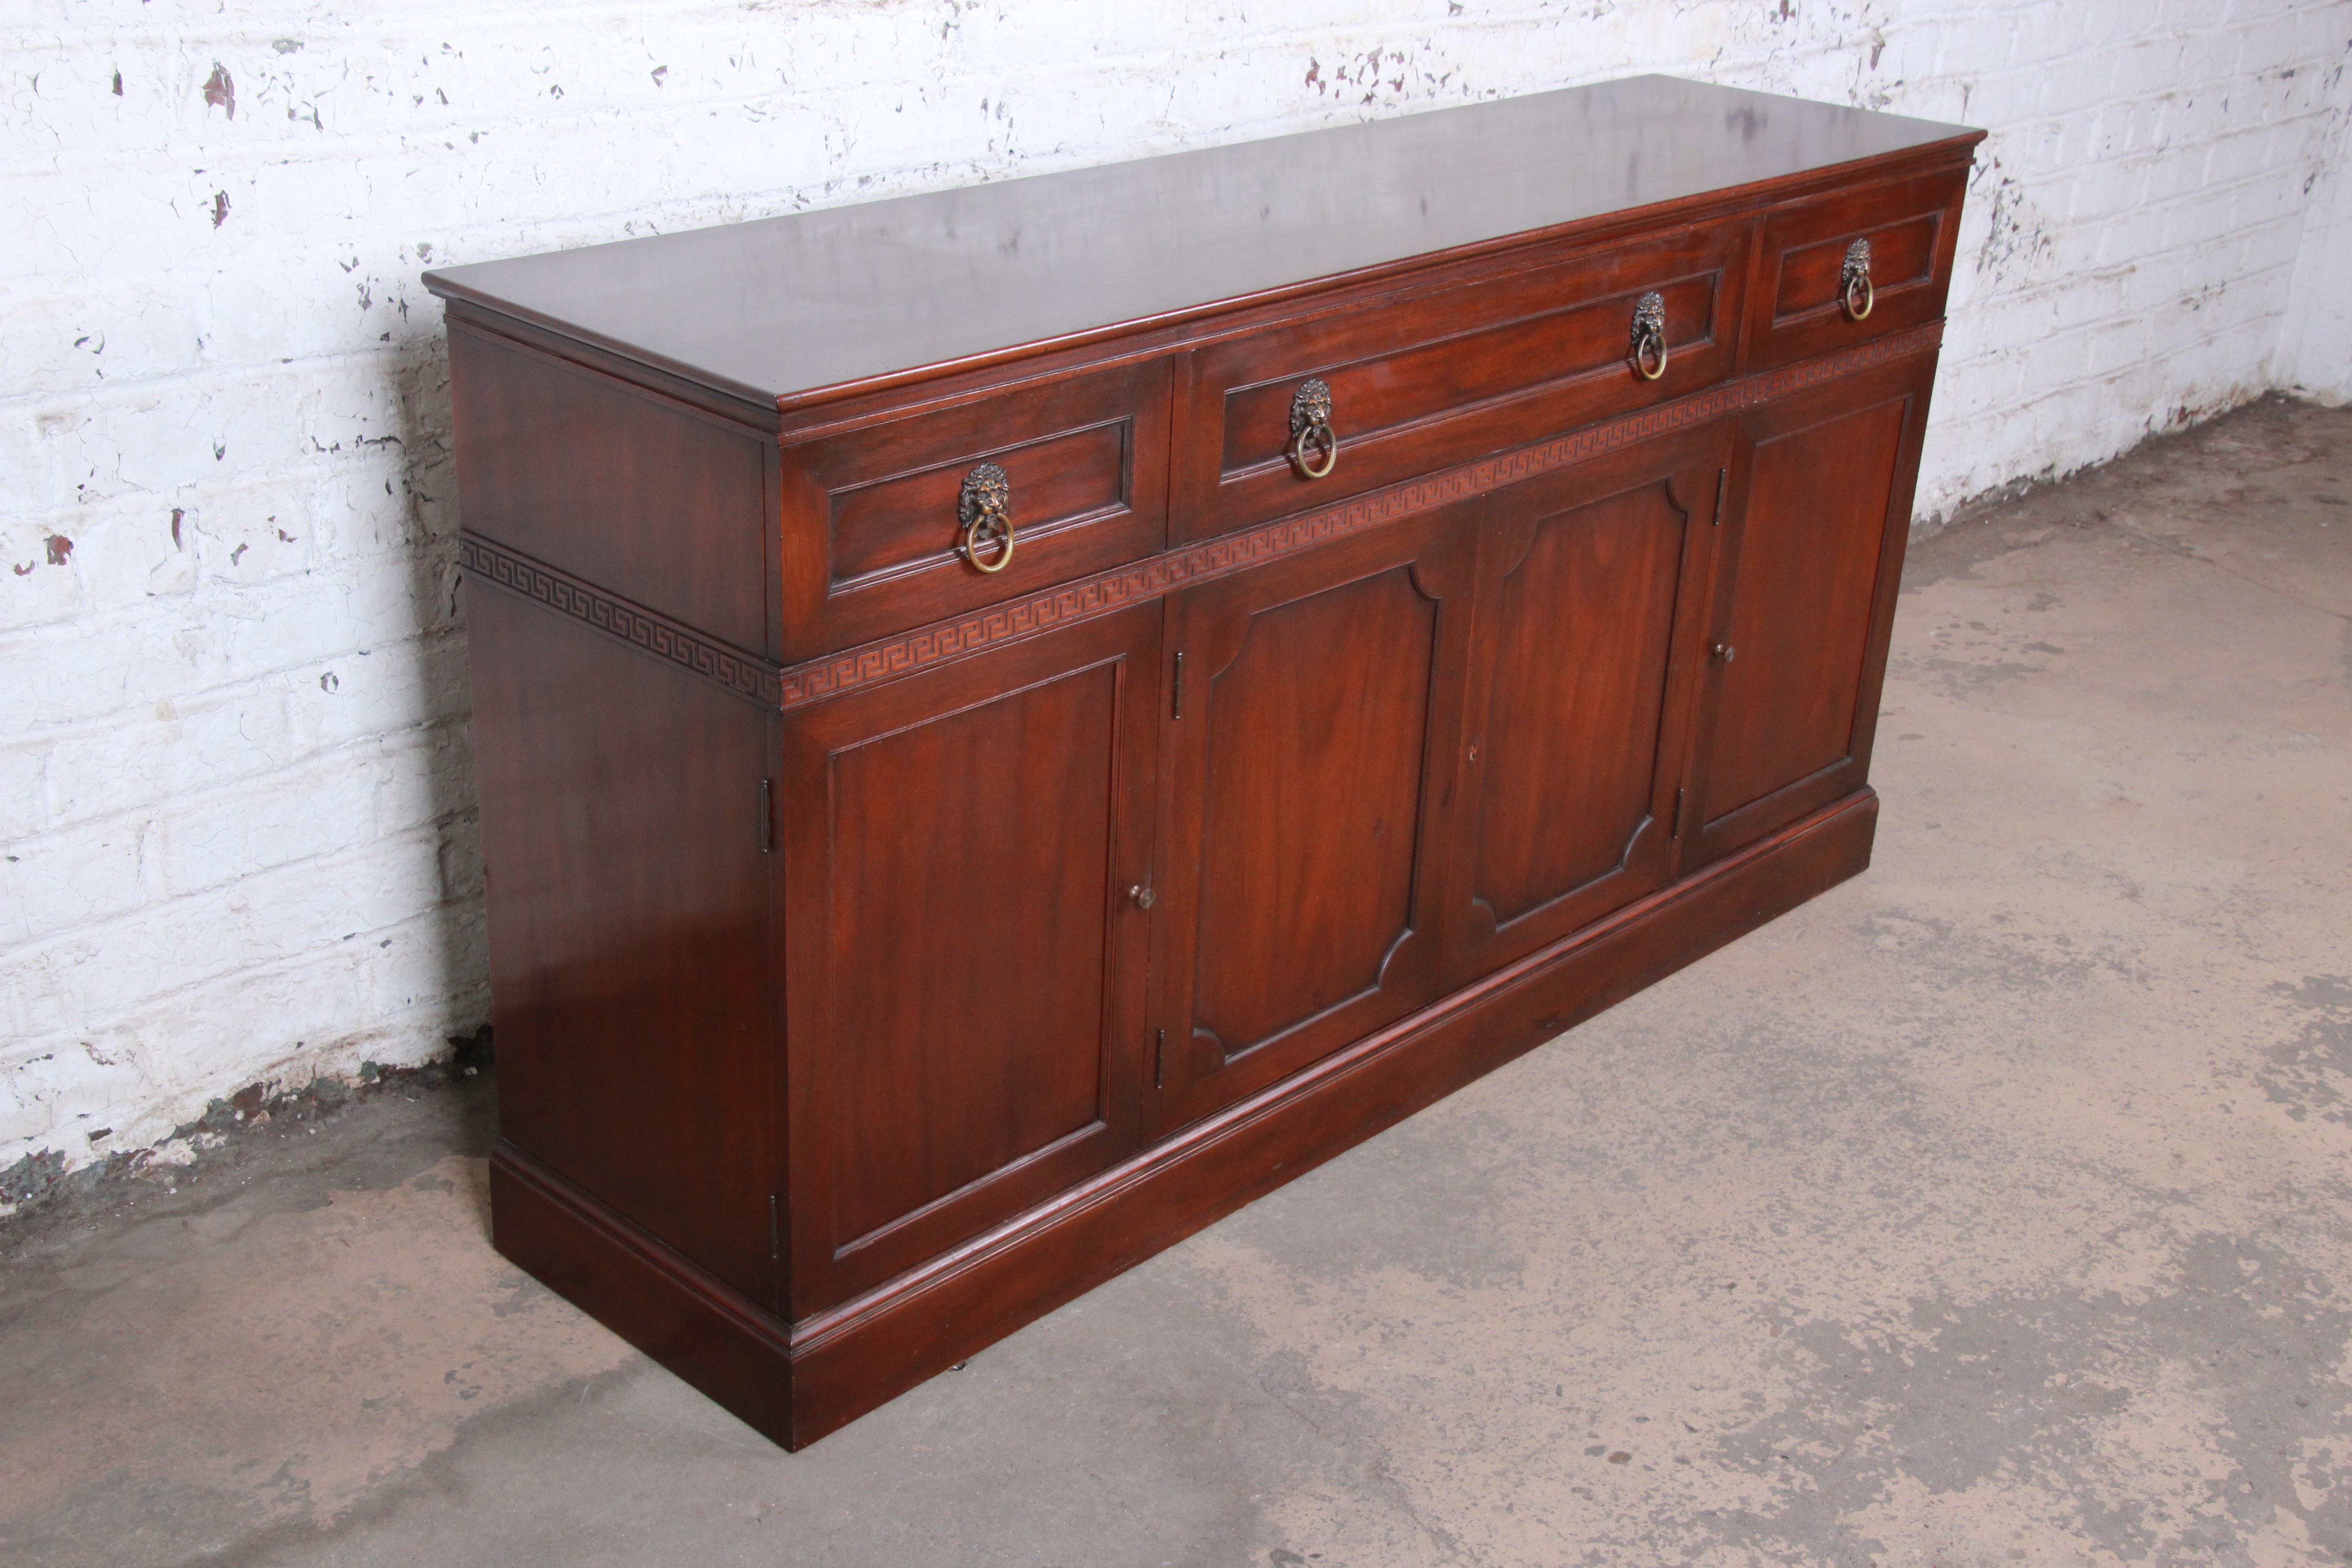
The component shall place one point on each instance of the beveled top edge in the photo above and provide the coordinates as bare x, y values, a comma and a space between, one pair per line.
779, 310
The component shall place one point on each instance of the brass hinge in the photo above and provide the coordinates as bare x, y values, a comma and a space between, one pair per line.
1159, 1061
1722, 479
1678, 832
767, 817
775, 1231
1176, 702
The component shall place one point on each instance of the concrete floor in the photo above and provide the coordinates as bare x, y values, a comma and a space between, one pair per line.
1991, 1209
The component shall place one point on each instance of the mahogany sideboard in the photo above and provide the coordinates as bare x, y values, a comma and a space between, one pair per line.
1008, 723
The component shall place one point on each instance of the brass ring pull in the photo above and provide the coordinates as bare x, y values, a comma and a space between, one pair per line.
1321, 435
984, 508
1310, 425
1854, 283
1649, 351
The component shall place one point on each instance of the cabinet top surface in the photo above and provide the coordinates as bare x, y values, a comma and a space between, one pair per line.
774, 308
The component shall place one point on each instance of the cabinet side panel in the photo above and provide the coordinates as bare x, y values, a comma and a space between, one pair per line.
632, 493
628, 911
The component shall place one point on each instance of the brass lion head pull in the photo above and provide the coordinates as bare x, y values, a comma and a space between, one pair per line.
1648, 352
1854, 282
984, 508
1310, 426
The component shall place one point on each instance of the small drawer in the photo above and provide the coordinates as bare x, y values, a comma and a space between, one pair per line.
875, 530
1900, 238
1421, 380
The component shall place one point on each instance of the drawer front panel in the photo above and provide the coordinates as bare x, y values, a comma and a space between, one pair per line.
1424, 380
1798, 306
892, 526
872, 529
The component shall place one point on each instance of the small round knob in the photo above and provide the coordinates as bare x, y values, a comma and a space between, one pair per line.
1144, 897
1723, 651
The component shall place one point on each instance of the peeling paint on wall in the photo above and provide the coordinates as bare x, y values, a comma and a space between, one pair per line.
237, 809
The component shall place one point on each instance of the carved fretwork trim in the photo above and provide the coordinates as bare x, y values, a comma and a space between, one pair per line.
749, 676
744, 674
835, 673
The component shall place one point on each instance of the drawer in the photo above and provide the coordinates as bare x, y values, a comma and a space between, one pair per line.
1798, 305
874, 529
1421, 380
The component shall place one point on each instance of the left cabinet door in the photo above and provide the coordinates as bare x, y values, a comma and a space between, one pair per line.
965, 962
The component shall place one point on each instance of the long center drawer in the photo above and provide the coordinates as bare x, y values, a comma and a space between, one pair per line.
1423, 378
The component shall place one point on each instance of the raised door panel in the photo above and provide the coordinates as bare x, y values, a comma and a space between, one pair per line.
1581, 692
1821, 505
966, 963
1310, 701
1314, 783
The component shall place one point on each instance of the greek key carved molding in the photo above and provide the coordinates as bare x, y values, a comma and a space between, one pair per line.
740, 673
832, 673
753, 677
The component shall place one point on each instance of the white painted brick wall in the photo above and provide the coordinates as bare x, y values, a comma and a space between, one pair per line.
2315, 348
234, 793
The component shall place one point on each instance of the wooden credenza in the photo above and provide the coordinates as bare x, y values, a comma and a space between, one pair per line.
1008, 723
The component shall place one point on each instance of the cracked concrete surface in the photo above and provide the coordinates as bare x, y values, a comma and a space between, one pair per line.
1991, 1209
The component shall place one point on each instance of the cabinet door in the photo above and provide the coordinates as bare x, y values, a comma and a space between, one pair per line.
1592, 611
1315, 706
1818, 509
964, 989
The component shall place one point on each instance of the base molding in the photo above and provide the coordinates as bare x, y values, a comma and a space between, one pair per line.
675, 1311
799, 1384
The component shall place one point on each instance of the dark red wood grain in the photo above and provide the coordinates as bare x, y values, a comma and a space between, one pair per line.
1913, 228
869, 520
814, 304
1320, 702
836, 1366
967, 1025
885, 951
1426, 378
567, 467
1593, 600
629, 929
1817, 515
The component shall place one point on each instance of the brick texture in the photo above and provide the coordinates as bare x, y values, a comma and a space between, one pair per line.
234, 770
